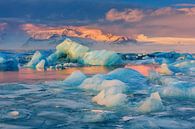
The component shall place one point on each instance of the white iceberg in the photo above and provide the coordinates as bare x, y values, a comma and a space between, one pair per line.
73, 49
151, 104
75, 79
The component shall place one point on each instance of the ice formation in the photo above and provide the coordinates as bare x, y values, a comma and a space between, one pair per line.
71, 51
93, 82
74, 50
151, 104
129, 76
41, 65
8, 63
37, 57
113, 86
75, 79
102, 57
109, 97
164, 70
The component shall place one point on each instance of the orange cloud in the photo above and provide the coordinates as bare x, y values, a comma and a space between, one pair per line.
129, 15
42, 32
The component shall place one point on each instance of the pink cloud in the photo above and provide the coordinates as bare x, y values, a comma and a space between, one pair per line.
163, 11
128, 15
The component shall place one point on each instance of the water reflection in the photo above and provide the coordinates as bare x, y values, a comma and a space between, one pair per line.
30, 75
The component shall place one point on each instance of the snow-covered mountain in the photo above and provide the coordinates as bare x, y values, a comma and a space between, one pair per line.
43, 32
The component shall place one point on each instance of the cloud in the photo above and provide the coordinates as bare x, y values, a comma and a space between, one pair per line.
163, 11
128, 15
136, 15
187, 11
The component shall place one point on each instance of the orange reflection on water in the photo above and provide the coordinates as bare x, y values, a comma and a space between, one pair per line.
143, 69
30, 75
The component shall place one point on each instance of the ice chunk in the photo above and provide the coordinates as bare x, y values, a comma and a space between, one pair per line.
172, 92
14, 113
37, 57
102, 57
74, 50
113, 83
126, 75
164, 69
8, 63
151, 104
109, 97
41, 65
52, 59
75, 79
93, 83
180, 90
98, 116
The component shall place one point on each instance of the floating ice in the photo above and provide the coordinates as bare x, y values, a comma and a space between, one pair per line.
94, 82
164, 69
109, 97
102, 57
73, 49
8, 63
37, 57
41, 65
151, 104
75, 79
14, 113
129, 76
121, 86
98, 116
52, 59
180, 90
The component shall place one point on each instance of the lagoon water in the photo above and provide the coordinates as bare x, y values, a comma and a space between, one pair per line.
39, 99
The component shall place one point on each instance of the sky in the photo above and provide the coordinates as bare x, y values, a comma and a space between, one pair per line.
151, 18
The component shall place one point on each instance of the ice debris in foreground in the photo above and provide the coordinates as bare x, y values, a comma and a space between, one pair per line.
110, 97
112, 87
151, 104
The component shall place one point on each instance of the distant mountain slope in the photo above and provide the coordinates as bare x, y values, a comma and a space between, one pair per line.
43, 32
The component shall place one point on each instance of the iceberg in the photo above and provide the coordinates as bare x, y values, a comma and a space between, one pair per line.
74, 50
83, 55
102, 57
8, 63
52, 59
75, 79
151, 104
37, 57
